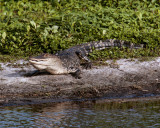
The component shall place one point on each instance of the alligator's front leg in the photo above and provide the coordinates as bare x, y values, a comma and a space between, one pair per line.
75, 72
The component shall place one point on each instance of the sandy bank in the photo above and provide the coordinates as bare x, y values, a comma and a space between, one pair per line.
125, 78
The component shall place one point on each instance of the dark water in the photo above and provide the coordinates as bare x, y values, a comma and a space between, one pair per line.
83, 115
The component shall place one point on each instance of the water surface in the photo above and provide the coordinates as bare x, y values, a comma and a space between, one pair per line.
82, 115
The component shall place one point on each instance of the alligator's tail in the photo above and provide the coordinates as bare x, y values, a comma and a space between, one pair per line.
109, 43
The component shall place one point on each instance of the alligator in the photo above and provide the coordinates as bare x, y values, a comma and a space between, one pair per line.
69, 60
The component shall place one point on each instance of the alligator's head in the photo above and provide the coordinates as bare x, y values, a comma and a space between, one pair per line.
46, 62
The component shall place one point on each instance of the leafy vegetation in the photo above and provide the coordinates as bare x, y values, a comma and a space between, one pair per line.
28, 27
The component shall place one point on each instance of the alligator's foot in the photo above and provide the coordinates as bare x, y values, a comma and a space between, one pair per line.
87, 65
77, 74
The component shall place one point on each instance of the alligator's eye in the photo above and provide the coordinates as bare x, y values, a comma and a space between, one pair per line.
45, 55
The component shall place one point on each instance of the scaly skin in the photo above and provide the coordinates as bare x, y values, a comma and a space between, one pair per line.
69, 60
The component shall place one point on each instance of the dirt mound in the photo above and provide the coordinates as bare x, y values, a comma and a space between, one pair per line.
126, 79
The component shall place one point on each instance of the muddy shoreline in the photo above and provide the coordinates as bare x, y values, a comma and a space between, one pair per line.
121, 79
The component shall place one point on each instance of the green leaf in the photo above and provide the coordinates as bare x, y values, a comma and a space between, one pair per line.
104, 32
55, 29
19, 13
140, 16
4, 35
33, 24
28, 28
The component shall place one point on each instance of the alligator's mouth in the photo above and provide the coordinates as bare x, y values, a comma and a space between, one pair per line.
37, 61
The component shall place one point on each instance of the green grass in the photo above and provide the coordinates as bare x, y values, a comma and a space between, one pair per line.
29, 27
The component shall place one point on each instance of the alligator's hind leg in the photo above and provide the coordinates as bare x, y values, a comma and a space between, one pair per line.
88, 63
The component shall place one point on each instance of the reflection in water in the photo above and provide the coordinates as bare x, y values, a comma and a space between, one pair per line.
81, 114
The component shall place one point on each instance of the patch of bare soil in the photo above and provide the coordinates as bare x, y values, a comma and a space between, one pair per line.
128, 79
